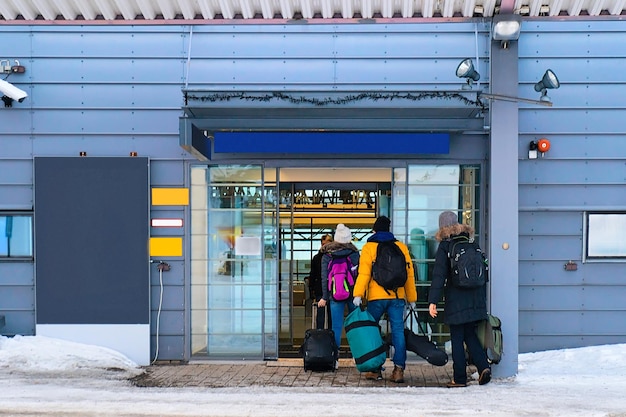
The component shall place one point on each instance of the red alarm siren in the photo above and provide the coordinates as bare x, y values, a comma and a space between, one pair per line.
543, 145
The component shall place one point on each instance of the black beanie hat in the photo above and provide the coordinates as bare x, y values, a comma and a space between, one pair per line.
382, 224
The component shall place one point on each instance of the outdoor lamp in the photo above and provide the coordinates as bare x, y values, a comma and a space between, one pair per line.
505, 28
466, 70
548, 81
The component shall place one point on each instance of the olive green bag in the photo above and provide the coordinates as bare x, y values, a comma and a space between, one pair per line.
490, 335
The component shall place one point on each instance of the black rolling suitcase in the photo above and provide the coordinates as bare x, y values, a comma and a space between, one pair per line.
319, 349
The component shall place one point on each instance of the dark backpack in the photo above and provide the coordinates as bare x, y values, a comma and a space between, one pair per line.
389, 268
467, 262
340, 277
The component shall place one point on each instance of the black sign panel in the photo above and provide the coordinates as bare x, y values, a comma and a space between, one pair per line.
91, 240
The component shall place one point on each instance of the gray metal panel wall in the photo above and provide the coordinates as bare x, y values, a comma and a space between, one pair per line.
107, 91
585, 169
336, 57
111, 90
17, 297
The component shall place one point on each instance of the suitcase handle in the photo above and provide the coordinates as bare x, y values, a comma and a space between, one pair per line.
314, 308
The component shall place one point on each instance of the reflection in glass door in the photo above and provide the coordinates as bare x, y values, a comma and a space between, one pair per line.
233, 266
420, 194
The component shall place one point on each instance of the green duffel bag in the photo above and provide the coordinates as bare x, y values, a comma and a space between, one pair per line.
366, 343
490, 335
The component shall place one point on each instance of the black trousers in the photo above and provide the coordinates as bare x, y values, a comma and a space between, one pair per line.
462, 335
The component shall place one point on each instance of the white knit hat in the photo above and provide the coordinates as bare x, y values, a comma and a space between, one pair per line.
343, 234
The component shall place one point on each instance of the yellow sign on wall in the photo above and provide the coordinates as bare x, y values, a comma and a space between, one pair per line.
166, 246
170, 196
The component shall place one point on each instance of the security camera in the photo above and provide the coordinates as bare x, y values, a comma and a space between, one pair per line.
11, 92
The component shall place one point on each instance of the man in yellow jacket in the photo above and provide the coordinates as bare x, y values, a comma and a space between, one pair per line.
380, 300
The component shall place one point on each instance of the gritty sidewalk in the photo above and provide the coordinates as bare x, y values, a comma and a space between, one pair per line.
286, 373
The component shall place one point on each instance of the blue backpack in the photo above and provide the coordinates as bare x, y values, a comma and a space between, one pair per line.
340, 277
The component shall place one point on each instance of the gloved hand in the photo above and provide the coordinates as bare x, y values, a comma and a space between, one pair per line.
356, 301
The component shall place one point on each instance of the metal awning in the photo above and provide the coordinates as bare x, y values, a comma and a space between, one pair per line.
205, 11
300, 122
419, 111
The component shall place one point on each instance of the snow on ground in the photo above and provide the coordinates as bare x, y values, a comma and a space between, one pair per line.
42, 376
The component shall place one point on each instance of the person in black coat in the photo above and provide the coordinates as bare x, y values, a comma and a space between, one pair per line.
464, 307
315, 283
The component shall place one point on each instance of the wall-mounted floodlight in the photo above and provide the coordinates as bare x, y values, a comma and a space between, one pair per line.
548, 81
506, 28
466, 70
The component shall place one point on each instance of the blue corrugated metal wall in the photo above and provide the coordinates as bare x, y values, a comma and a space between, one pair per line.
116, 89
583, 170
107, 91
110, 90
335, 57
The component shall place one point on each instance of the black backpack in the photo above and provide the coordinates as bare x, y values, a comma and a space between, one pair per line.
389, 268
467, 262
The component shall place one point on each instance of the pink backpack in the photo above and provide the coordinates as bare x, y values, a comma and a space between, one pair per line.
341, 277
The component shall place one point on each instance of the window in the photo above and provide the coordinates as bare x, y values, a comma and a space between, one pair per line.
605, 236
16, 235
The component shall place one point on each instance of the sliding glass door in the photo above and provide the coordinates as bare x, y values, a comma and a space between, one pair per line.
420, 194
253, 235
234, 263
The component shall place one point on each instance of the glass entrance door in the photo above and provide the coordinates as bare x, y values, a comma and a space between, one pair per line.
309, 211
234, 283
420, 193
254, 232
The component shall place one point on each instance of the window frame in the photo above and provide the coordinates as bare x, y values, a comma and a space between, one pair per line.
7, 257
590, 251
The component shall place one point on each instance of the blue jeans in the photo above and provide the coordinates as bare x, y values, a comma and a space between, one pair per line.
337, 309
395, 313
